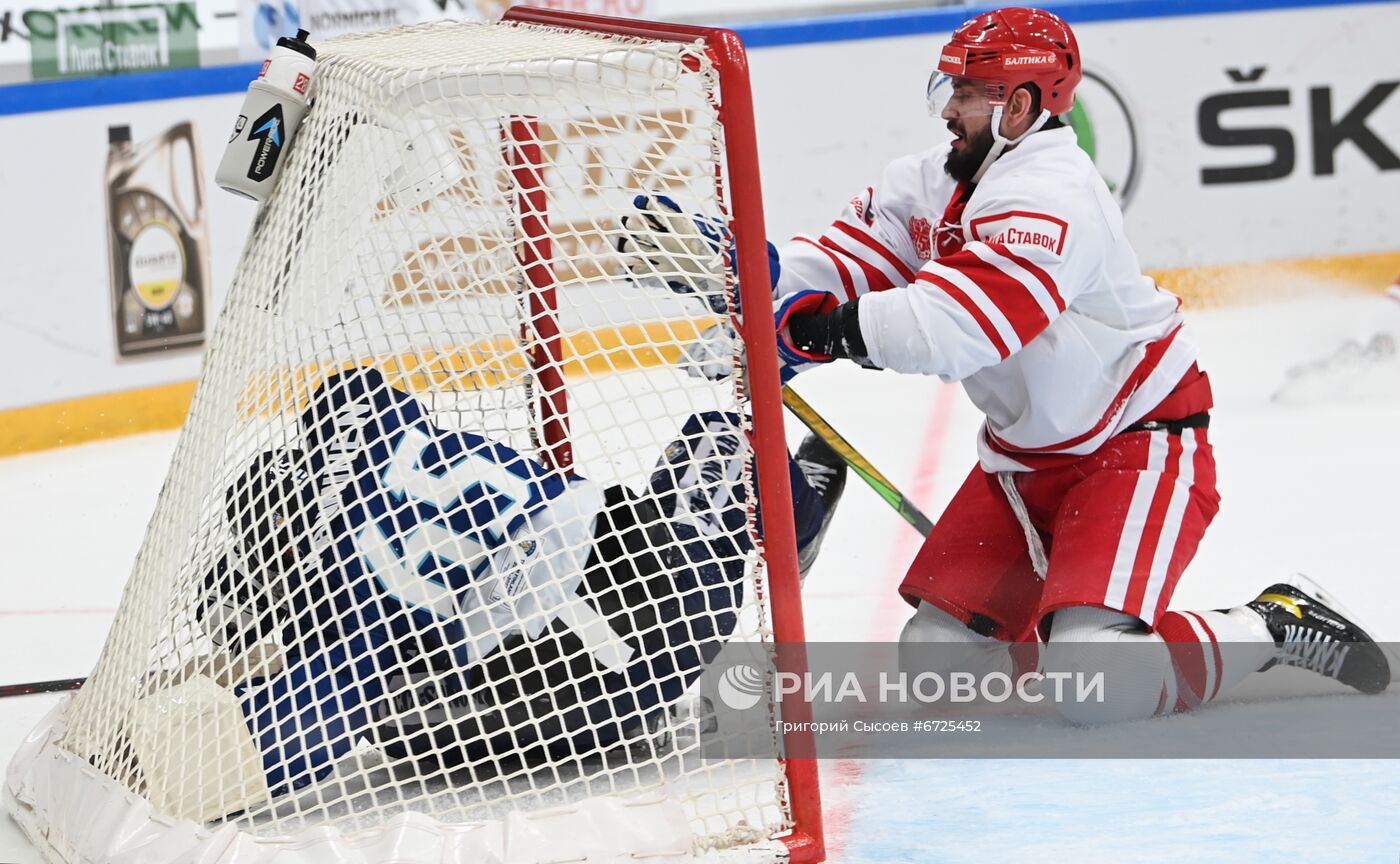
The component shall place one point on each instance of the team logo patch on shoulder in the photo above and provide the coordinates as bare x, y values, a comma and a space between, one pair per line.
1022, 228
921, 232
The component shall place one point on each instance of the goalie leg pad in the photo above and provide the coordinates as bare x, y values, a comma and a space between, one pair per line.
196, 753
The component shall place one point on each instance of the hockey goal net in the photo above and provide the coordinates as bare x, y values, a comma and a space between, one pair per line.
432, 571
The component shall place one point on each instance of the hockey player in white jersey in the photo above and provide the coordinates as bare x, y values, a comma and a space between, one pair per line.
1000, 261
456, 601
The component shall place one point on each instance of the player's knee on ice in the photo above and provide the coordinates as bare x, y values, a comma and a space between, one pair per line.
1086, 646
1119, 651
936, 641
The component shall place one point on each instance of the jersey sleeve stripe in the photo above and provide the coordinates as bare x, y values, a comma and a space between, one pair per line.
875, 279
978, 295
1018, 268
971, 308
902, 270
1015, 300
1037, 272
847, 283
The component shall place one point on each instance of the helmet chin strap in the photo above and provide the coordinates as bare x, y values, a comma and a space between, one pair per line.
1001, 142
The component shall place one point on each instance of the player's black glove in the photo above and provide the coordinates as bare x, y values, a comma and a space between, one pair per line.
824, 331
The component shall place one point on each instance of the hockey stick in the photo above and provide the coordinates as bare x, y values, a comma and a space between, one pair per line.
41, 687
879, 482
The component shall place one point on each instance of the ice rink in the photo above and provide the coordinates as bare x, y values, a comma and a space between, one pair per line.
1307, 403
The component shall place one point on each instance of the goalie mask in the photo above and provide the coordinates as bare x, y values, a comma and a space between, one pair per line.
270, 511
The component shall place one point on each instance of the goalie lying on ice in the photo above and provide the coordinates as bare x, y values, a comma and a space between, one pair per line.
455, 602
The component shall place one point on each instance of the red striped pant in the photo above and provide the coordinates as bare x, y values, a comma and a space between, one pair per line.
1119, 526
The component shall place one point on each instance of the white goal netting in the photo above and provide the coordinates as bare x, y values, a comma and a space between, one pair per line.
451, 529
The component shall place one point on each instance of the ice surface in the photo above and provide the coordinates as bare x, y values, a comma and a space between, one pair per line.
1308, 485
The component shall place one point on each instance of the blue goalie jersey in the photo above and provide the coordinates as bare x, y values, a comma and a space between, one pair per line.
458, 600
445, 536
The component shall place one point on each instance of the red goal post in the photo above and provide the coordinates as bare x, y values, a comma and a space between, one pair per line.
744, 194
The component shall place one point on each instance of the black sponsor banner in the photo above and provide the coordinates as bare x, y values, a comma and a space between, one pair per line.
1248, 116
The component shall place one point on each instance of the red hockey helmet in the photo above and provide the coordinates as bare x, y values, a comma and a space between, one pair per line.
1009, 47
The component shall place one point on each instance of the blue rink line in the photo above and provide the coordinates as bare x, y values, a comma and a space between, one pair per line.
131, 87
40, 96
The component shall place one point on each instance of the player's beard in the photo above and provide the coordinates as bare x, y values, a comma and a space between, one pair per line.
962, 164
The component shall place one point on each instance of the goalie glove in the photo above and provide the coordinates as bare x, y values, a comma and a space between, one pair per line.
689, 253
683, 251
711, 355
805, 323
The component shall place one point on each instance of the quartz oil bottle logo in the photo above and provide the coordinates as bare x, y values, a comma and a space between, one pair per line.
158, 240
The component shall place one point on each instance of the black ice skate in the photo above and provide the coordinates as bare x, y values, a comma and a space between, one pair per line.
825, 471
1311, 634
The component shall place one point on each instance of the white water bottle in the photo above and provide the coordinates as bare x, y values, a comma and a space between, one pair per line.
271, 112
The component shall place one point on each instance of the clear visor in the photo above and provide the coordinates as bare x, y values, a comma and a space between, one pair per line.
951, 97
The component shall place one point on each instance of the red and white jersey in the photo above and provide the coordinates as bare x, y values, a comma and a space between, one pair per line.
1026, 290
